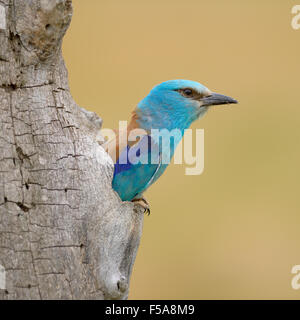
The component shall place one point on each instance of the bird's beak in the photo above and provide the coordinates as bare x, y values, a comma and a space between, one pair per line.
216, 99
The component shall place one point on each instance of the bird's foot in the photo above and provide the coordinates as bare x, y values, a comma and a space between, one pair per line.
144, 204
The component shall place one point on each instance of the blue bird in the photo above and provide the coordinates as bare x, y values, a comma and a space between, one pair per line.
173, 104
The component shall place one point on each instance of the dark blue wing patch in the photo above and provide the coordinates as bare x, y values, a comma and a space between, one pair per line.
135, 168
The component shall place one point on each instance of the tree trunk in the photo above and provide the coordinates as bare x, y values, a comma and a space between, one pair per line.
64, 233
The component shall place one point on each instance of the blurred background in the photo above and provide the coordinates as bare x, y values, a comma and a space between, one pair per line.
234, 231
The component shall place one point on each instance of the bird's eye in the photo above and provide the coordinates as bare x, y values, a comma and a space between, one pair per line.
188, 92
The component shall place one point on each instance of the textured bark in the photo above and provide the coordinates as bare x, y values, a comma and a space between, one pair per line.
64, 233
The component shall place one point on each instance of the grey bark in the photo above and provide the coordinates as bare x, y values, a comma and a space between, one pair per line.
64, 233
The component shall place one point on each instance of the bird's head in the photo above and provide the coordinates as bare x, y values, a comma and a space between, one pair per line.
176, 104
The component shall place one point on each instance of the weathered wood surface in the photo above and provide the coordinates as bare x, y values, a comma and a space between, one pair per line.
64, 233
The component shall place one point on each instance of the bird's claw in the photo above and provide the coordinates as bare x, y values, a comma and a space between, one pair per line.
144, 204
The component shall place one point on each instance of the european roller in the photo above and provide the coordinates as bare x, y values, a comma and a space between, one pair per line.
173, 104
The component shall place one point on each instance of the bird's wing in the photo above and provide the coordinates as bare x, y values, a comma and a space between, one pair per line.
137, 168
120, 140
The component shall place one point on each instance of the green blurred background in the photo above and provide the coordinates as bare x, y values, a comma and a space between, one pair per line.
234, 231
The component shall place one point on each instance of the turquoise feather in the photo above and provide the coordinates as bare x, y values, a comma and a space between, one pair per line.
165, 107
